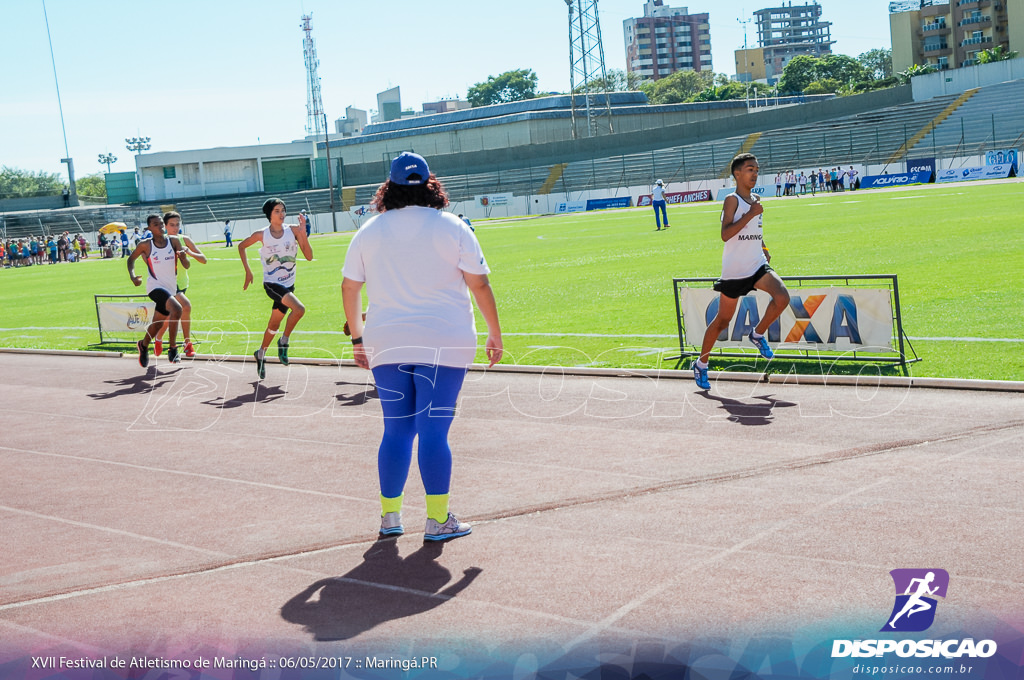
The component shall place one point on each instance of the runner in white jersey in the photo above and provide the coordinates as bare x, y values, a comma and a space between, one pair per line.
744, 266
161, 255
280, 244
172, 223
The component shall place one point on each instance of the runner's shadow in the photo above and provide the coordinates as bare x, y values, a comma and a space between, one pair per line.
260, 393
749, 414
385, 587
357, 398
138, 384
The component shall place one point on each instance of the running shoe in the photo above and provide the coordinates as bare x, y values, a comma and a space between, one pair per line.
143, 354
700, 376
189, 350
282, 353
391, 524
261, 370
452, 528
172, 355
762, 345
158, 347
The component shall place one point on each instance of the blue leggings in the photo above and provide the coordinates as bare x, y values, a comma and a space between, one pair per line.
417, 400
663, 215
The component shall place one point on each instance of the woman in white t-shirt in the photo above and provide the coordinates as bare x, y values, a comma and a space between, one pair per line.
422, 268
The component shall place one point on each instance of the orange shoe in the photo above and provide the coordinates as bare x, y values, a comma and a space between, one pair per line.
158, 347
189, 350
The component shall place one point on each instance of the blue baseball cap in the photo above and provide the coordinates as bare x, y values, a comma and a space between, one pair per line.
408, 164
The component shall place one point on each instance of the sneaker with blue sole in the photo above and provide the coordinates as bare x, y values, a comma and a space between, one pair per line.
452, 528
700, 376
391, 524
762, 345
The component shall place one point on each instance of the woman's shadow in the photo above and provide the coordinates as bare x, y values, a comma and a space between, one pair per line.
383, 588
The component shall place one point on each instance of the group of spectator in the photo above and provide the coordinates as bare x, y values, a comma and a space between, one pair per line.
789, 183
51, 249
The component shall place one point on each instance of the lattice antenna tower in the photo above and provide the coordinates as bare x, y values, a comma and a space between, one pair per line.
587, 71
314, 104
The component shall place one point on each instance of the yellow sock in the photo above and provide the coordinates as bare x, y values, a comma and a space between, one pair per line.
437, 507
390, 504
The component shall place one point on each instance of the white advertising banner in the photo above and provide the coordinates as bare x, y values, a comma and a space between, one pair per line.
817, 318
124, 318
571, 207
494, 200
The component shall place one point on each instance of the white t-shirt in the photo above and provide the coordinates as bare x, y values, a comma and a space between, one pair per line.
412, 261
163, 267
742, 255
278, 256
658, 194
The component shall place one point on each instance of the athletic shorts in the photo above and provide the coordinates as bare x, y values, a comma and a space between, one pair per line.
160, 297
737, 288
276, 292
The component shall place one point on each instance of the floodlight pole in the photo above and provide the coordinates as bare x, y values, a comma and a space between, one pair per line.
330, 180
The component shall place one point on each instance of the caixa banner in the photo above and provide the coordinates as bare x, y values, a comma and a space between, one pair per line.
677, 197
901, 180
817, 319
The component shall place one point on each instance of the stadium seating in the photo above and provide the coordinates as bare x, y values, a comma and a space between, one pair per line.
991, 119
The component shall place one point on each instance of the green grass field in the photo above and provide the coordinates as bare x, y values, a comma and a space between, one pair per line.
592, 289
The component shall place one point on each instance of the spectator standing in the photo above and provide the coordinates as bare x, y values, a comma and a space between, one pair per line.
803, 182
422, 268
227, 233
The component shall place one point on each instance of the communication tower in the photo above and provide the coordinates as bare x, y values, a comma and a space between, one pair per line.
587, 73
315, 122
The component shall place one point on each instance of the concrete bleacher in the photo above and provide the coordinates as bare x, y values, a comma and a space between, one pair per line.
991, 119
962, 124
868, 138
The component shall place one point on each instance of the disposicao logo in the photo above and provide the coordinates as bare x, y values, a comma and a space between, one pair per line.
914, 611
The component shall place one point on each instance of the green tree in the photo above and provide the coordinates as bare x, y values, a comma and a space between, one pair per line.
677, 88
823, 86
997, 53
878, 62
92, 186
913, 71
18, 183
510, 86
616, 80
801, 71
846, 70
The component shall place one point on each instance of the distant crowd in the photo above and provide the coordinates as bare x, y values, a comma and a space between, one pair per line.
31, 250
834, 179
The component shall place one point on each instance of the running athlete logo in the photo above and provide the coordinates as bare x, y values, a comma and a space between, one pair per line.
914, 610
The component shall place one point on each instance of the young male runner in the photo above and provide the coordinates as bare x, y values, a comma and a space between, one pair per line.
744, 266
172, 222
280, 244
161, 255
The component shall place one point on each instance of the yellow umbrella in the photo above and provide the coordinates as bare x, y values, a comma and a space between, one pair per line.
113, 227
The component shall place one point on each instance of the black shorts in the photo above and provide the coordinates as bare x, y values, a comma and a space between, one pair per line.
276, 292
160, 297
737, 288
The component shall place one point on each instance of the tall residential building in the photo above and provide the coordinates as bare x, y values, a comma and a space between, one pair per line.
665, 40
950, 34
783, 33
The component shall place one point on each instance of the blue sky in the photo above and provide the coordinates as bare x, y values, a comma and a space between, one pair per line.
193, 74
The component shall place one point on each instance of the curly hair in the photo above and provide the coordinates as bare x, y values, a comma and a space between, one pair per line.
392, 196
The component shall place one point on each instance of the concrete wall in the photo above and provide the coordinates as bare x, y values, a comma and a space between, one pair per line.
649, 137
955, 81
31, 203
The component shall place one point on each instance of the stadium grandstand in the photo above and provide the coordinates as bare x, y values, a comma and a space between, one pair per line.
679, 143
